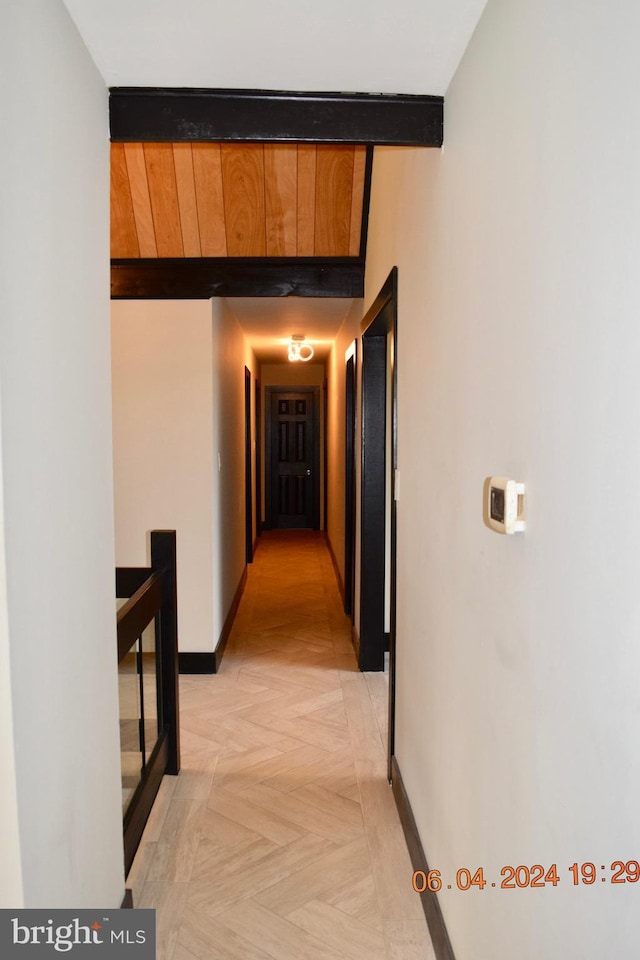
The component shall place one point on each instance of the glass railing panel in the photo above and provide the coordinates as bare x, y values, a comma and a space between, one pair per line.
150, 675
131, 754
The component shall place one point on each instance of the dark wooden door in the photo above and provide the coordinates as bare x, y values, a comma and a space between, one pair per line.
294, 460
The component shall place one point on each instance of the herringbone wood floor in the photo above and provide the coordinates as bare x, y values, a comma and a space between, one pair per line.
280, 838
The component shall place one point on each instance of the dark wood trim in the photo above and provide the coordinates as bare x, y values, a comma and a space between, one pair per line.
429, 899
325, 453
163, 558
142, 800
257, 419
229, 620
201, 278
336, 569
138, 612
372, 529
191, 662
248, 480
130, 579
187, 114
366, 203
127, 900
380, 325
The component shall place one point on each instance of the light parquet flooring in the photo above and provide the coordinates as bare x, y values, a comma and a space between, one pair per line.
280, 838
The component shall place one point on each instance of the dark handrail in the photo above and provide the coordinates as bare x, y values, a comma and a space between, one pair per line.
138, 612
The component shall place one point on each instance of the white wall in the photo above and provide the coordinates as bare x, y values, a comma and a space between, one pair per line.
349, 331
292, 374
518, 718
178, 401
163, 447
56, 453
11, 892
231, 354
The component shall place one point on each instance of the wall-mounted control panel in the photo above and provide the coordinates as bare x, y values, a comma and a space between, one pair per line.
505, 505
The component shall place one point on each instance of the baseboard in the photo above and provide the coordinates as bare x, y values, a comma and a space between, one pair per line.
336, 569
228, 623
197, 662
430, 905
127, 903
210, 662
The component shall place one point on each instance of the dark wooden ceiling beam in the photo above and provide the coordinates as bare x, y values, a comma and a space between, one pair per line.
158, 114
203, 278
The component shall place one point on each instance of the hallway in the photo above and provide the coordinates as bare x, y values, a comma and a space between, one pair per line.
280, 838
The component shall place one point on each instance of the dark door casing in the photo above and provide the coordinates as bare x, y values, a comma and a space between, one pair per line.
258, 449
379, 350
248, 493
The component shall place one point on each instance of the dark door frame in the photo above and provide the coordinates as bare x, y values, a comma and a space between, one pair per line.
325, 453
314, 392
257, 416
248, 493
379, 342
351, 368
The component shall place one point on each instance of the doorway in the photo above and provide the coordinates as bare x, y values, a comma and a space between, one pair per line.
248, 493
351, 359
258, 448
379, 474
292, 448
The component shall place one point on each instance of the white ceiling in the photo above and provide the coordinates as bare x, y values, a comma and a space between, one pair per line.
368, 46
269, 323
374, 46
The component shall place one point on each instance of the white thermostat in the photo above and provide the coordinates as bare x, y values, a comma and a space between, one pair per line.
505, 505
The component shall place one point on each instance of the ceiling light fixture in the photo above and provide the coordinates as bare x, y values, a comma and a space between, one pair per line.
299, 348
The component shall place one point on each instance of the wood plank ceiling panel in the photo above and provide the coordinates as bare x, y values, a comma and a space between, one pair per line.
239, 200
306, 199
334, 180
281, 190
161, 175
124, 237
244, 206
207, 170
187, 202
136, 168
357, 199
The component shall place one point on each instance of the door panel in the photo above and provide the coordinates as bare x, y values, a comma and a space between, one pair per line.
294, 460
